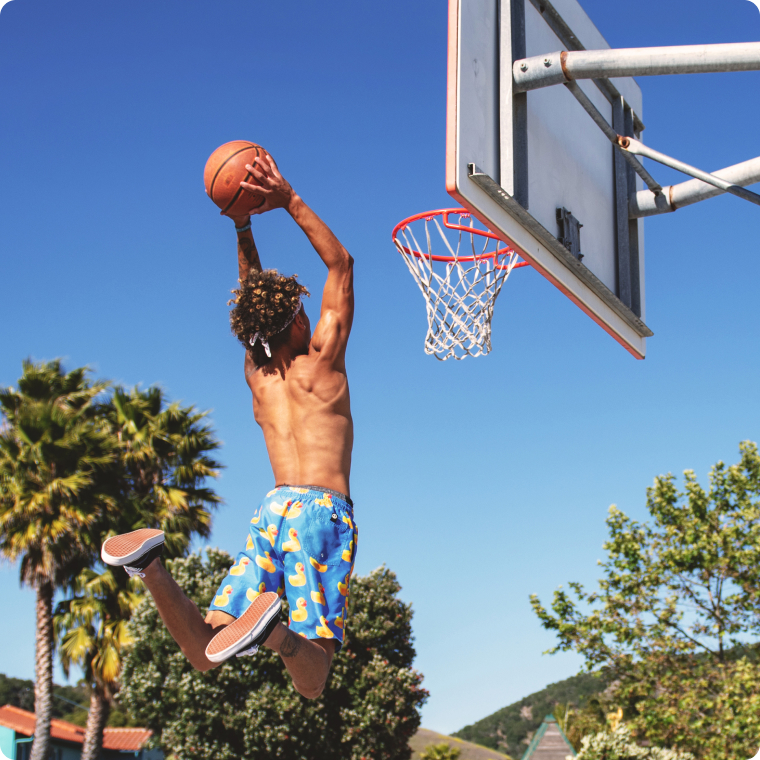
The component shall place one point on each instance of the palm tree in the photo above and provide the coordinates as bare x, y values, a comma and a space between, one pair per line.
165, 454
53, 452
164, 460
92, 632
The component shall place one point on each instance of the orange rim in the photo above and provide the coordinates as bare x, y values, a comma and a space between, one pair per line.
463, 214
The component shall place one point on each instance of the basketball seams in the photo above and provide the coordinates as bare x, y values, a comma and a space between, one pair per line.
236, 197
229, 158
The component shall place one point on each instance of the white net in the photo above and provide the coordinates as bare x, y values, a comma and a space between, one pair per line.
460, 280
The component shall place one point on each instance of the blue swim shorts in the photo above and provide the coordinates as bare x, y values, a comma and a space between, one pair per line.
302, 543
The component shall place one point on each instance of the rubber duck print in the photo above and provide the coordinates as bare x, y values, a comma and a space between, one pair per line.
293, 545
319, 568
323, 630
325, 501
249, 543
224, 598
319, 596
295, 510
301, 613
270, 534
343, 587
239, 567
273, 492
281, 587
299, 579
348, 522
255, 519
346, 556
250, 595
300, 490
341, 619
265, 563
280, 509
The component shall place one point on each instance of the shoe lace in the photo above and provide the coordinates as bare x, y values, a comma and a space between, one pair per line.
134, 571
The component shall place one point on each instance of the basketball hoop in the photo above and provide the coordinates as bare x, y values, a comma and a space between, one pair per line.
460, 287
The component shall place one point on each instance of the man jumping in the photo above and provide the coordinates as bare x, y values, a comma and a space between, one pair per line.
302, 538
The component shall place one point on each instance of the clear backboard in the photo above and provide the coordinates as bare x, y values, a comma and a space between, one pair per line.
533, 166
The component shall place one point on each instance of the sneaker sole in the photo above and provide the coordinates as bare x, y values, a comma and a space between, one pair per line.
121, 550
244, 631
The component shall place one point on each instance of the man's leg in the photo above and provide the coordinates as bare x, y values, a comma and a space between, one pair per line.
182, 617
307, 660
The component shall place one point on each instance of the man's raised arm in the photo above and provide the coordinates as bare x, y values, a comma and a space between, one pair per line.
248, 255
331, 334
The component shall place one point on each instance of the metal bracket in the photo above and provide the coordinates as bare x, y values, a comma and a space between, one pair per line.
569, 232
517, 212
571, 42
673, 197
630, 145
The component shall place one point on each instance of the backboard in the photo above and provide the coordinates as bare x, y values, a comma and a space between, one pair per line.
535, 168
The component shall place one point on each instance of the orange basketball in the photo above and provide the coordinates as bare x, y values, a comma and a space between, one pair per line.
225, 170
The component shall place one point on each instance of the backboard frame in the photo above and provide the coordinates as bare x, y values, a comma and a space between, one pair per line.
485, 38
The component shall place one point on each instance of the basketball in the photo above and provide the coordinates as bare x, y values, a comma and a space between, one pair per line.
225, 170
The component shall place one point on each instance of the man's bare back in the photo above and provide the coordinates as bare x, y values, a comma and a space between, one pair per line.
304, 411
300, 397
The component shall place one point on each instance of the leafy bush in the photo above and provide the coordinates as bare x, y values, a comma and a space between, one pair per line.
619, 745
440, 751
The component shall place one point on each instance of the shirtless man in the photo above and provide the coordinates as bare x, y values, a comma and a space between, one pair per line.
302, 538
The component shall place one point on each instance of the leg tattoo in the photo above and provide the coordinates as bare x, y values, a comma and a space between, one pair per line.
291, 644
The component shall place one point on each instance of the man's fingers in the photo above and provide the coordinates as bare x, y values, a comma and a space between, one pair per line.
268, 162
275, 170
256, 189
258, 173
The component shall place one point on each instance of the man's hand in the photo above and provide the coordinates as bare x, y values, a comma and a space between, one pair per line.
276, 190
240, 221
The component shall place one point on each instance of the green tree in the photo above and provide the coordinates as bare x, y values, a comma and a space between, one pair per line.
248, 708
440, 751
159, 477
91, 628
677, 614
165, 460
53, 451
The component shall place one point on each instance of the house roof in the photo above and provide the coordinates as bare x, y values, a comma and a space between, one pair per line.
22, 721
549, 743
130, 739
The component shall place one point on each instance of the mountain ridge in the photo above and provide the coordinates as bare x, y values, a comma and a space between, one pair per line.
510, 729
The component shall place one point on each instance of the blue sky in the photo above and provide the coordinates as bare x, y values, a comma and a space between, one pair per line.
477, 482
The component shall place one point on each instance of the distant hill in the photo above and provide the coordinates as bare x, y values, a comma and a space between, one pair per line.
509, 730
424, 738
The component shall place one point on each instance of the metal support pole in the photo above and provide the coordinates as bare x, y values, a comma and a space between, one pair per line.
622, 238
633, 224
563, 66
612, 135
673, 197
630, 145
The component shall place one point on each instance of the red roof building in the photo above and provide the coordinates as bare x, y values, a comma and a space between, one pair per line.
17, 730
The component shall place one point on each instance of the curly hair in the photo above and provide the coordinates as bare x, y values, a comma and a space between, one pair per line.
264, 303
